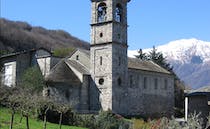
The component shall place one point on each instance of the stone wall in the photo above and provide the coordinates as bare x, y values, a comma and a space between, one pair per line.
109, 30
150, 97
44, 65
75, 95
65, 93
119, 77
81, 57
101, 73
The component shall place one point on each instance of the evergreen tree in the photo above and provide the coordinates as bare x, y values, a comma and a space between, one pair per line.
159, 59
141, 55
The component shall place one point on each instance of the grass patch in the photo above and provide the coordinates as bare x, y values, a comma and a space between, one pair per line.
5, 115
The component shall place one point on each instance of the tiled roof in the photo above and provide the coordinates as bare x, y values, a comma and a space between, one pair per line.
62, 73
78, 66
201, 91
134, 63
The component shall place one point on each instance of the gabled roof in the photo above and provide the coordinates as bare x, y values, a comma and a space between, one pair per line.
62, 73
72, 71
86, 52
134, 63
204, 89
79, 67
201, 91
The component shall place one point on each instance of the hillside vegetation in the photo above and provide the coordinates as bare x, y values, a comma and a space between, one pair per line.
17, 36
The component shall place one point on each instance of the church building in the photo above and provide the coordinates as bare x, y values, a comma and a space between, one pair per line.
104, 78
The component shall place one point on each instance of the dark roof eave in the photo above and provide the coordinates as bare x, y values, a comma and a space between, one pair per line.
152, 71
198, 94
23, 52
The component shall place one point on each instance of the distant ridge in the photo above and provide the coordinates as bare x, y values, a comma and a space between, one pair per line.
17, 36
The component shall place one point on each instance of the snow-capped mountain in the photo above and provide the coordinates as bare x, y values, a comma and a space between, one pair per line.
182, 50
190, 59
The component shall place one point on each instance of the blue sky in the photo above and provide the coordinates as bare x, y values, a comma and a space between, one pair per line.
151, 22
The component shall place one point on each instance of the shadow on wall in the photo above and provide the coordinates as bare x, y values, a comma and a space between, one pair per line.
94, 94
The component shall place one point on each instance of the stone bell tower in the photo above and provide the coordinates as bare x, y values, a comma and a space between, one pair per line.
109, 51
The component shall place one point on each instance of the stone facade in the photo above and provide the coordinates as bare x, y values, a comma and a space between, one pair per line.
147, 90
23, 60
109, 51
153, 93
104, 77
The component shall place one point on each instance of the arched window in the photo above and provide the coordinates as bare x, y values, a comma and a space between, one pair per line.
101, 12
118, 13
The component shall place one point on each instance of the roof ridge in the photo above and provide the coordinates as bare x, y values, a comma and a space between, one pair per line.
159, 66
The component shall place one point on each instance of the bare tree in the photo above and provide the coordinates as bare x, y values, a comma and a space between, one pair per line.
62, 108
13, 103
43, 105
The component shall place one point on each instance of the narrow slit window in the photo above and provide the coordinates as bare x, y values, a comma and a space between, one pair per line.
131, 81
119, 81
77, 57
156, 83
145, 82
166, 84
101, 60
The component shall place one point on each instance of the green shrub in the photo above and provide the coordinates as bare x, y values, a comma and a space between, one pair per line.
108, 120
32, 80
63, 52
104, 120
87, 121
140, 124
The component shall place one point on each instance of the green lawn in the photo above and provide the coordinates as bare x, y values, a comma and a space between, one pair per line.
34, 124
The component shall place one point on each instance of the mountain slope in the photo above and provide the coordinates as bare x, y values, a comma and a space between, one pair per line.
190, 59
17, 36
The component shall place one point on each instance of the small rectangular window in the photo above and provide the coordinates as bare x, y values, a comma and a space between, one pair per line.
77, 57
9, 74
166, 84
156, 83
145, 82
131, 80
119, 61
100, 60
